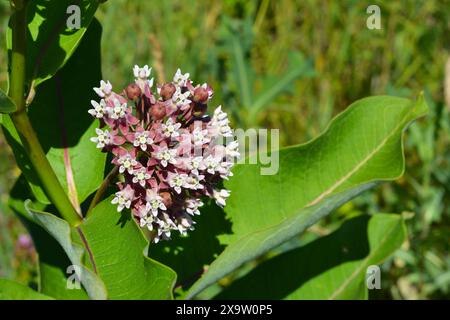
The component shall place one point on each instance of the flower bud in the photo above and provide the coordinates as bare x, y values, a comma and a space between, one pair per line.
201, 95
158, 111
166, 198
133, 91
167, 91
25, 242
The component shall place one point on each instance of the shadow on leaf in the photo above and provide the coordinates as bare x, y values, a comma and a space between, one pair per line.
278, 277
188, 255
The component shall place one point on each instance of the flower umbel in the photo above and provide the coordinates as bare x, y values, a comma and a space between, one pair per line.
165, 148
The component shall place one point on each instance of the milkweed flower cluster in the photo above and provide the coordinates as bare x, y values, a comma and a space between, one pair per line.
169, 153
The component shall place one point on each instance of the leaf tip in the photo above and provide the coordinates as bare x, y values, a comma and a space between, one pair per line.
6, 104
420, 105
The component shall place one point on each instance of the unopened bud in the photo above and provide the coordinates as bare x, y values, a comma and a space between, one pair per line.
166, 198
133, 91
201, 95
167, 91
158, 111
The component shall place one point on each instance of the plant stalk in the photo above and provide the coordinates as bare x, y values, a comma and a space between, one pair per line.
21, 121
102, 190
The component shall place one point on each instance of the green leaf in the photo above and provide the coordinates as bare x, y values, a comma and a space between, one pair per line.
331, 267
361, 145
61, 121
50, 42
10, 290
6, 104
260, 241
53, 262
111, 251
189, 255
119, 251
60, 230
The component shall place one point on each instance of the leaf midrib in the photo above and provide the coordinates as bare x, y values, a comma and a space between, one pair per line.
246, 239
356, 272
70, 179
364, 161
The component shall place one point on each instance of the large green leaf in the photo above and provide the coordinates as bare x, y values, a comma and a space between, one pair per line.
361, 145
332, 267
53, 262
60, 118
6, 104
50, 41
111, 252
10, 290
71, 240
260, 241
119, 250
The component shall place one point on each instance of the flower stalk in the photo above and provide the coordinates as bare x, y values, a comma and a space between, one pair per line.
21, 121
102, 190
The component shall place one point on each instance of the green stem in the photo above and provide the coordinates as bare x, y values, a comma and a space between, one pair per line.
101, 191
31, 144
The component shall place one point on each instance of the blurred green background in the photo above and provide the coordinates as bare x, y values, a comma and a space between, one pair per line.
293, 65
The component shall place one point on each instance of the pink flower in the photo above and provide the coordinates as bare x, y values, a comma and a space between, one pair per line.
141, 139
142, 75
104, 90
181, 99
141, 176
119, 116
200, 136
177, 180
102, 139
165, 155
192, 206
99, 109
124, 198
126, 161
170, 128
219, 125
180, 79
154, 202
221, 197
165, 148
196, 164
194, 182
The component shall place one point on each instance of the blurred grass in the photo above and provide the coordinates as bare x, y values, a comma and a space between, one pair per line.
244, 48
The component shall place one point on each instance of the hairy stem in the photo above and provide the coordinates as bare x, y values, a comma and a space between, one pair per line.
101, 191
30, 142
